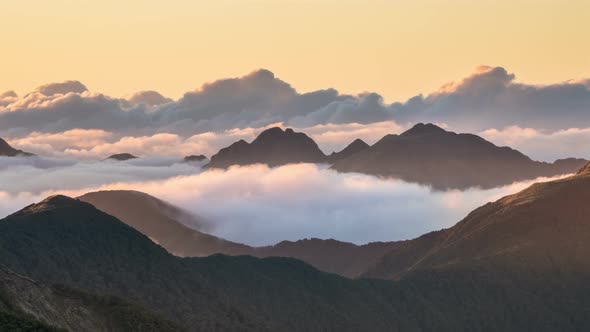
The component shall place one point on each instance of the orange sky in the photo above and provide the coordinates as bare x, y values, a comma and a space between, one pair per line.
397, 48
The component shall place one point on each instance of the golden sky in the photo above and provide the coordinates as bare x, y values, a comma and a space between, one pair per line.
396, 48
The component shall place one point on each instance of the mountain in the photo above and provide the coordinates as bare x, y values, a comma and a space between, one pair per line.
162, 222
121, 157
8, 151
178, 232
430, 155
273, 147
193, 158
27, 305
343, 258
356, 146
66, 241
543, 228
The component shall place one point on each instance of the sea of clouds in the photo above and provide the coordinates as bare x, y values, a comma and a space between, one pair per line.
257, 205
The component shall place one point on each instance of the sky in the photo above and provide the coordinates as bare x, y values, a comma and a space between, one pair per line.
395, 48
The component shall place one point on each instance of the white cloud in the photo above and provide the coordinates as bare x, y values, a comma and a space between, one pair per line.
260, 205
543, 145
92, 144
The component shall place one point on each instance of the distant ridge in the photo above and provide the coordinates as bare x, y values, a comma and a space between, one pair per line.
8, 151
519, 264
194, 158
167, 226
425, 154
273, 147
162, 222
121, 157
430, 155
539, 229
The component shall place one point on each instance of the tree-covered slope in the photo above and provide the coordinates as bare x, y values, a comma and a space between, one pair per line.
62, 240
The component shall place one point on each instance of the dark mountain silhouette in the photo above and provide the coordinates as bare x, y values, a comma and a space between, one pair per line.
177, 231
121, 157
343, 258
273, 147
194, 158
542, 228
62, 240
162, 222
356, 146
430, 155
8, 151
28, 305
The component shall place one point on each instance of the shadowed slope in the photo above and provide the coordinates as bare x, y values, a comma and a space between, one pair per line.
162, 222
166, 225
68, 309
8, 151
544, 227
71, 242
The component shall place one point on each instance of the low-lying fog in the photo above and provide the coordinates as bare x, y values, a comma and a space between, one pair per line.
257, 205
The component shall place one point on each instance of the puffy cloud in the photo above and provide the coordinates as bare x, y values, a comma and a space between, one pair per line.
95, 144
54, 144
367, 108
485, 79
7, 98
260, 205
543, 145
151, 98
488, 98
61, 88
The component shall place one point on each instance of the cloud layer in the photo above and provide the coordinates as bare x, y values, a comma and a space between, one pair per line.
489, 101
94, 144
488, 98
258, 205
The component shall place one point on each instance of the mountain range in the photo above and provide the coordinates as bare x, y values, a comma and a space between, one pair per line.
273, 147
516, 264
430, 155
425, 154
185, 235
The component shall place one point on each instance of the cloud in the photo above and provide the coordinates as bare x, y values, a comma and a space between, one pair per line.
61, 88
488, 98
151, 98
37, 175
260, 205
543, 145
367, 108
95, 144
7, 98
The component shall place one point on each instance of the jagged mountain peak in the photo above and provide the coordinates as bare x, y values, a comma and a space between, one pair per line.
424, 129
